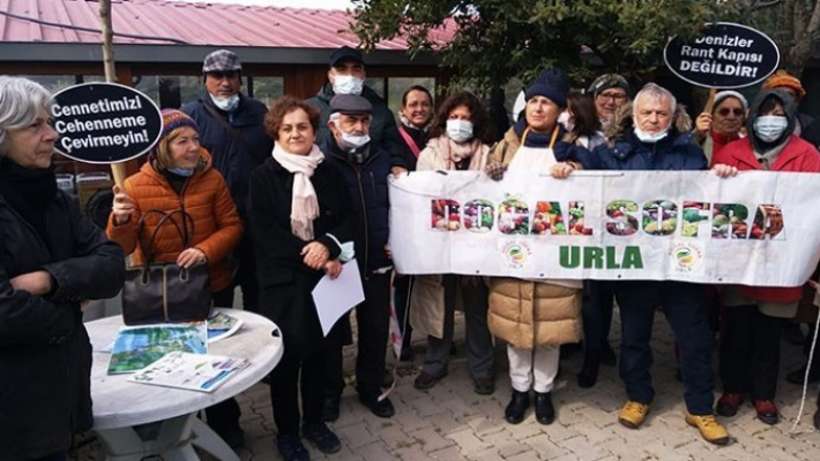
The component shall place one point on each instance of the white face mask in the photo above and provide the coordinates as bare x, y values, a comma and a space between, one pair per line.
770, 128
459, 130
567, 121
225, 104
347, 84
650, 138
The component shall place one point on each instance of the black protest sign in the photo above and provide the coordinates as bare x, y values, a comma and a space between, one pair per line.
104, 122
725, 55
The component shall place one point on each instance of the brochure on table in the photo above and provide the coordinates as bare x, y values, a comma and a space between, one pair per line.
139, 346
196, 372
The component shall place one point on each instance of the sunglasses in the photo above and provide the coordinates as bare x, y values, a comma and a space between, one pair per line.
725, 111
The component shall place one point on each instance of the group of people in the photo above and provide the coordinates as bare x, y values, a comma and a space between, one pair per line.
281, 196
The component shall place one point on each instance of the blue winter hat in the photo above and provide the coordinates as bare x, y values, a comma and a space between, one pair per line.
552, 84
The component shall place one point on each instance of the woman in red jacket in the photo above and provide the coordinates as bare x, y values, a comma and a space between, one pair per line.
750, 340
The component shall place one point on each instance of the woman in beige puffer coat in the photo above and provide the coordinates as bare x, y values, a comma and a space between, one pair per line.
536, 316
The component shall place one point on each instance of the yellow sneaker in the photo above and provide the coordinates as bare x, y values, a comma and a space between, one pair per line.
633, 414
709, 427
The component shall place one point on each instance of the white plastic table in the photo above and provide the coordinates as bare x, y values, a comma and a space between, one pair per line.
120, 405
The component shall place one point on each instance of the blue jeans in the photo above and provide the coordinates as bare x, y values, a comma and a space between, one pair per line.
684, 307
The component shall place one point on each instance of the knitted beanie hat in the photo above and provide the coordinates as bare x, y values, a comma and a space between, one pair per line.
781, 78
552, 84
173, 119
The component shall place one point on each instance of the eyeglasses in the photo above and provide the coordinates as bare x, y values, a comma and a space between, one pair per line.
725, 111
614, 97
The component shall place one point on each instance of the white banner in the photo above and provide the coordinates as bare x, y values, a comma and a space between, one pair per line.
759, 228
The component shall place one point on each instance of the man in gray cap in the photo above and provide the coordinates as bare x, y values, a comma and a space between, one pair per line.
347, 75
364, 167
231, 128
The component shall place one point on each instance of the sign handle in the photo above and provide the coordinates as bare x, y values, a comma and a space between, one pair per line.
710, 101
118, 170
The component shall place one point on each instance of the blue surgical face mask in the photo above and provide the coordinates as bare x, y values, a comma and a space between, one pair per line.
769, 128
186, 172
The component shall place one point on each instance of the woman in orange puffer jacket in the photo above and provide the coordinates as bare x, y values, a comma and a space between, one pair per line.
178, 175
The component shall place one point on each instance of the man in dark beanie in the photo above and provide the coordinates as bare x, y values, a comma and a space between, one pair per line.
364, 166
610, 92
347, 75
231, 128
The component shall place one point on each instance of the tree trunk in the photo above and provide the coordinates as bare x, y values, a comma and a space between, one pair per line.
117, 169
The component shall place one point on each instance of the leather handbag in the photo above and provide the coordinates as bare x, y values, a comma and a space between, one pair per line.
165, 293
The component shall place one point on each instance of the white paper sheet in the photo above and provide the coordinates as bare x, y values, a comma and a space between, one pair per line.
334, 298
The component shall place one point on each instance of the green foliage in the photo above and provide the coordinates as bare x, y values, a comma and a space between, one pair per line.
501, 39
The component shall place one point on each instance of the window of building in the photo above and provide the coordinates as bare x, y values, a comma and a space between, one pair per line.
53, 83
266, 89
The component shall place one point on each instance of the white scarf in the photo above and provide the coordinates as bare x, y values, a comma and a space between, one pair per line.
304, 204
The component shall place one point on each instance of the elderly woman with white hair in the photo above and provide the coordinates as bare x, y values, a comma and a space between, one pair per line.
649, 140
724, 124
51, 259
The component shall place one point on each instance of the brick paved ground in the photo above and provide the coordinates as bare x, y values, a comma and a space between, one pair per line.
450, 422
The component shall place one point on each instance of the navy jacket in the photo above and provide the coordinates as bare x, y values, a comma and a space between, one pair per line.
383, 131
367, 187
674, 152
237, 151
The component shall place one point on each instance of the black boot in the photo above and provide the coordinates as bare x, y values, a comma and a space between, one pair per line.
544, 411
520, 401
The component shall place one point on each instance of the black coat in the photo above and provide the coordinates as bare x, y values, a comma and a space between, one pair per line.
236, 151
45, 354
285, 282
367, 197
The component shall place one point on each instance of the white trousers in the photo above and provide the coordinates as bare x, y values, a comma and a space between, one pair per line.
533, 368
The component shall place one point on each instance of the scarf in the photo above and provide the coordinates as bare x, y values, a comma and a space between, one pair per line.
535, 138
455, 155
29, 192
304, 206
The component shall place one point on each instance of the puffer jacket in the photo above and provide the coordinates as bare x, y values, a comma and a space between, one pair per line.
624, 151
216, 228
45, 354
797, 155
528, 313
236, 150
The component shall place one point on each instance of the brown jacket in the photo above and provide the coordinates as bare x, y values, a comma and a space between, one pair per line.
216, 224
528, 314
